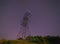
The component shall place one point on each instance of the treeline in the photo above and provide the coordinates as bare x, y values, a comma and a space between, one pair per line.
33, 39
44, 40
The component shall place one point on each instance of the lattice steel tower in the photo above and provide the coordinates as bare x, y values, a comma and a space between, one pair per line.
24, 29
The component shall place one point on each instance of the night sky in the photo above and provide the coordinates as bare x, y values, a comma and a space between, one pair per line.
45, 19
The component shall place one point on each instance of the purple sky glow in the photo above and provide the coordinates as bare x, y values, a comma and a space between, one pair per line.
45, 18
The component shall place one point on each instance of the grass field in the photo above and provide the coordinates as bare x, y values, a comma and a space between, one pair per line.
15, 42
33, 40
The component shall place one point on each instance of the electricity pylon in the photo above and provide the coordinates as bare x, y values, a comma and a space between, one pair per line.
24, 29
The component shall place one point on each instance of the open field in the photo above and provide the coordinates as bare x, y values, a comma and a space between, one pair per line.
33, 40
15, 42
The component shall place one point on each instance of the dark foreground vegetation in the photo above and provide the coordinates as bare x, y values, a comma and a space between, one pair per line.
34, 40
